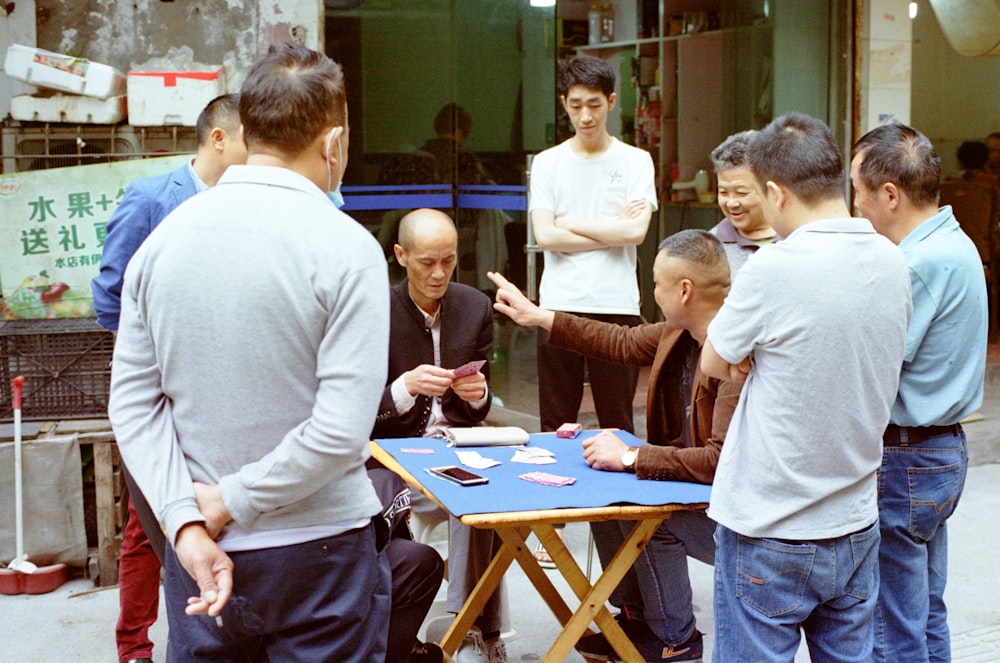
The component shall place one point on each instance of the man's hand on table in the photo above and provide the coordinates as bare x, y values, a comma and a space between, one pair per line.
604, 452
208, 565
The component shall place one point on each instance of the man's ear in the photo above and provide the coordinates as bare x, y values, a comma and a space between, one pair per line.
218, 137
780, 194
893, 195
612, 99
400, 254
687, 290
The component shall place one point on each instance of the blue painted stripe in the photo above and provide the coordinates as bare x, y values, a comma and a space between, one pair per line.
438, 196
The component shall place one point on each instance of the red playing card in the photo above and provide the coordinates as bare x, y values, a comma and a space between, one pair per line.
469, 368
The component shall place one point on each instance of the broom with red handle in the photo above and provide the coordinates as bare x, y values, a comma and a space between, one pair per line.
21, 576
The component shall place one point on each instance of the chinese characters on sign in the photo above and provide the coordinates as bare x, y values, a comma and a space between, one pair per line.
52, 229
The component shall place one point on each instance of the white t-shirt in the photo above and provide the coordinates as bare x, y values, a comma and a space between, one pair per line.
603, 280
823, 316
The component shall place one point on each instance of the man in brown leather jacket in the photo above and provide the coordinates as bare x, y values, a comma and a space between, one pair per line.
687, 415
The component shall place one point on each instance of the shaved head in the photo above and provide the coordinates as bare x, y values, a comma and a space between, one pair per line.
424, 223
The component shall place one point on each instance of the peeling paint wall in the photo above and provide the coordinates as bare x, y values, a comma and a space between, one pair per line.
127, 34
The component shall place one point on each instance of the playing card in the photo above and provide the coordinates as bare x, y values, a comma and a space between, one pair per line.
469, 368
547, 479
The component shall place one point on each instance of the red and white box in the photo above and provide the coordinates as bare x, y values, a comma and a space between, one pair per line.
65, 73
160, 98
569, 430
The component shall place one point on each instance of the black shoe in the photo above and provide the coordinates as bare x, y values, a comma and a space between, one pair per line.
597, 647
426, 652
140, 660
651, 648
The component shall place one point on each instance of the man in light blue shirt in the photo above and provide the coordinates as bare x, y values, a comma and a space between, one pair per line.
896, 174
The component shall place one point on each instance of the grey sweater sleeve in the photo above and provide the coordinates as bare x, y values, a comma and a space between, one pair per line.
142, 418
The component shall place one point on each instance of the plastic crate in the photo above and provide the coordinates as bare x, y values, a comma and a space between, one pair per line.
66, 364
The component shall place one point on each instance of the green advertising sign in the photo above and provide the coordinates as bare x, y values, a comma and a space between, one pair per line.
52, 228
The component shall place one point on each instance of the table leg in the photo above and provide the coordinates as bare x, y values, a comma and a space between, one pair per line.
484, 589
593, 597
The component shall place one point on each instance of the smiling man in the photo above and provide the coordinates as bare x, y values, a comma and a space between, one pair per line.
744, 228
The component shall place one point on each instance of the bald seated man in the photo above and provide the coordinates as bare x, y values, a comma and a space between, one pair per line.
435, 327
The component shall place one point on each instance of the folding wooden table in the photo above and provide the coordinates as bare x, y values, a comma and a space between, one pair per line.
508, 496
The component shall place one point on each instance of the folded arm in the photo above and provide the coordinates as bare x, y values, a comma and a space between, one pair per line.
712, 364
629, 229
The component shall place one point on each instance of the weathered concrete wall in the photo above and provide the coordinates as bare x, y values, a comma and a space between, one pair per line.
126, 34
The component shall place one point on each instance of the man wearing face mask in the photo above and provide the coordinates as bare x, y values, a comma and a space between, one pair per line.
247, 372
147, 201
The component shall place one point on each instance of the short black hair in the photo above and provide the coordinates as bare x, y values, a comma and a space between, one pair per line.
972, 154
452, 117
222, 112
290, 96
902, 155
800, 153
588, 71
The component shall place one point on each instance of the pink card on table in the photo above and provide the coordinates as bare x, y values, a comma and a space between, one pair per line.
547, 479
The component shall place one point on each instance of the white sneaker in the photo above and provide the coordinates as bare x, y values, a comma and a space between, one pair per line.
475, 650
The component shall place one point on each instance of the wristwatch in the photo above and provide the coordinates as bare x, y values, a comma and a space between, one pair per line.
628, 458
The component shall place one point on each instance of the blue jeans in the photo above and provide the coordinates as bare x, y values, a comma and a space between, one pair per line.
324, 600
657, 589
919, 487
766, 589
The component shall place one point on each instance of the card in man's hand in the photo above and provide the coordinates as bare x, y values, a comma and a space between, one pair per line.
469, 368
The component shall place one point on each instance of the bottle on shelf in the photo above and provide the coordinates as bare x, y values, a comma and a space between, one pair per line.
607, 22
594, 24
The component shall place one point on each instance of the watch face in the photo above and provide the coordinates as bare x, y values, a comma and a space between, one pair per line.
628, 458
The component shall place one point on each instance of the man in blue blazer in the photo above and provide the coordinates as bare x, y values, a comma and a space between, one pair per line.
437, 326
147, 202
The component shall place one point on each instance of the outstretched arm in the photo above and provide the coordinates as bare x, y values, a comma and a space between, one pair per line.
511, 302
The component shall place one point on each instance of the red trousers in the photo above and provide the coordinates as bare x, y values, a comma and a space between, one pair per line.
138, 591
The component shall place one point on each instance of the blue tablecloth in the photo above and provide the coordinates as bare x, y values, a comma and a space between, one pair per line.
506, 492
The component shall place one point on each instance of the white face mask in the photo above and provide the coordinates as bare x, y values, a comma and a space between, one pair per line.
333, 193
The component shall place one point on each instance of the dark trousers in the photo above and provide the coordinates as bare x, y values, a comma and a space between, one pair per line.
561, 377
417, 571
323, 601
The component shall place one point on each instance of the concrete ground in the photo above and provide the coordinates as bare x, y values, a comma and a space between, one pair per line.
76, 623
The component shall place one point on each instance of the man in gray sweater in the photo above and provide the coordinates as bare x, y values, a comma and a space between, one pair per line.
248, 368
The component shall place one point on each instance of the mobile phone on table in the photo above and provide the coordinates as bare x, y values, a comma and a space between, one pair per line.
458, 475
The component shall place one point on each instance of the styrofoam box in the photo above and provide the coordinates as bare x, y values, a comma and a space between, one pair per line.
72, 108
63, 72
158, 98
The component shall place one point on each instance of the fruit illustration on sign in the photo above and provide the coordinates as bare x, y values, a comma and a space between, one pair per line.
37, 298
